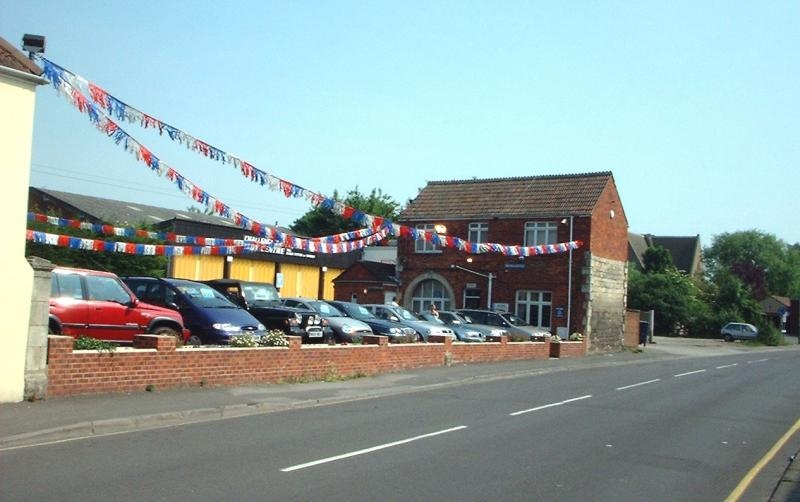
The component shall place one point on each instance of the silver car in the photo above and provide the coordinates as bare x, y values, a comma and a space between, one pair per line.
739, 331
345, 329
465, 331
407, 318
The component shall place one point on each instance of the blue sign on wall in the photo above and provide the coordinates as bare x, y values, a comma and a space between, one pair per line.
559, 311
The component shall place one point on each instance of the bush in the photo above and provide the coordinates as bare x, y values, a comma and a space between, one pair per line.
516, 337
404, 338
769, 335
84, 342
274, 338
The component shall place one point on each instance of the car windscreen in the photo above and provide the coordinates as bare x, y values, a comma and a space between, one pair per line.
261, 295
516, 321
405, 314
357, 311
325, 309
434, 319
205, 296
450, 318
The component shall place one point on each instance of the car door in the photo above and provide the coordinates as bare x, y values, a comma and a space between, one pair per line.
68, 303
110, 313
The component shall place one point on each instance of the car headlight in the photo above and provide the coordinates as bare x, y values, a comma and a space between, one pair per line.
498, 332
395, 331
347, 329
228, 327
261, 327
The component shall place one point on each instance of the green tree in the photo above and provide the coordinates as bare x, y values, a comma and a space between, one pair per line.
320, 221
766, 264
675, 297
657, 260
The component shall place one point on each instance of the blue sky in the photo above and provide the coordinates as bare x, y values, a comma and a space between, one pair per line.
692, 105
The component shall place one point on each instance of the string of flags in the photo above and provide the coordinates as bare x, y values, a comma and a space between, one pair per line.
339, 243
99, 102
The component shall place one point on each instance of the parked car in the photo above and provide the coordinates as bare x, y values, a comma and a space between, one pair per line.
262, 300
405, 317
506, 320
210, 317
99, 305
739, 331
465, 331
383, 327
345, 329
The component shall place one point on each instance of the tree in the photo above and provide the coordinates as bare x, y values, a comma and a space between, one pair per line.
320, 221
766, 264
675, 297
657, 260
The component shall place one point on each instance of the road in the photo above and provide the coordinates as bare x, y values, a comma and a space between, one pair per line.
683, 429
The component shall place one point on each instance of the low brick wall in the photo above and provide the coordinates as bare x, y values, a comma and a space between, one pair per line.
154, 360
568, 349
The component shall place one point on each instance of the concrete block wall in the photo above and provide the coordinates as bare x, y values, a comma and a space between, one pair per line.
605, 282
155, 361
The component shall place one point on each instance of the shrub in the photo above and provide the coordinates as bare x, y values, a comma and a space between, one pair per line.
555, 339
576, 337
769, 335
274, 338
516, 337
244, 340
404, 339
84, 342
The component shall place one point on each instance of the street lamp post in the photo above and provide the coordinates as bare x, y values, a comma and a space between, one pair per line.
490, 276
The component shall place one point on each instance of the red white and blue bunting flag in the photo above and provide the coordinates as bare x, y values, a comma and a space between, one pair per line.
100, 228
68, 84
71, 242
339, 243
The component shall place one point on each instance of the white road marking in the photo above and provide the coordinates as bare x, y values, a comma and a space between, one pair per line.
689, 373
370, 450
727, 366
549, 405
638, 384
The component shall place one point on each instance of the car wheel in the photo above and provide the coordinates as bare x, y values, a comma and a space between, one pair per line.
194, 341
167, 331
728, 337
53, 329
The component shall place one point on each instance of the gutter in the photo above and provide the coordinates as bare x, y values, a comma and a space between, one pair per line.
23, 75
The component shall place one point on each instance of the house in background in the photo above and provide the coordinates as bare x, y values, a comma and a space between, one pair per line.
367, 282
582, 290
295, 272
686, 252
19, 78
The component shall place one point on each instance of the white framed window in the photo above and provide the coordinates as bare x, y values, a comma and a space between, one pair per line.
429, 292
422, 246
538, 233
535, 307
478, 232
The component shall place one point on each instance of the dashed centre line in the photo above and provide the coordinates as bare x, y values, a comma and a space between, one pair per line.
549, 405
727, 366
689, 373
370, 450
639, 384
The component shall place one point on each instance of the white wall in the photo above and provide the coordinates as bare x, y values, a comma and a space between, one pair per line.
17, 100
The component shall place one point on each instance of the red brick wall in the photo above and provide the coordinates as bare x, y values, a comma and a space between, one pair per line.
544, 273
632, 318
160, 364
609, 236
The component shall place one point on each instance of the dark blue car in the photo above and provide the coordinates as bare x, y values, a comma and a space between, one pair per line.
210, 317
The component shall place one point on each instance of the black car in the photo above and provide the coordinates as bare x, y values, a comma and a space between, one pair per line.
262, 300
393, 330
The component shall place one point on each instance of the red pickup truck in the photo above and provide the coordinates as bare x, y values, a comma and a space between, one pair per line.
99, 305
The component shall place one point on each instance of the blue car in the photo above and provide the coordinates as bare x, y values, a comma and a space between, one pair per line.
394, 330
210, 317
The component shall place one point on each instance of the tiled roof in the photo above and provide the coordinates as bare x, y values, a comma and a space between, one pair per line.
384, 272
128, 213
683, 250
529, 196
11, 57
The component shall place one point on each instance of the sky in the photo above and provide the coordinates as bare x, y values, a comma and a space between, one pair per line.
693, 106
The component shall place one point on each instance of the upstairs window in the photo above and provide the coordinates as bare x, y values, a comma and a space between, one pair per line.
478, 232
422, 246
538, 233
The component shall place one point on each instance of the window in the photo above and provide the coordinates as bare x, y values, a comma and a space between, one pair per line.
472, 298
422, 246
535, 307
538, 233
430, 292
108, 289
478, 232
66, 285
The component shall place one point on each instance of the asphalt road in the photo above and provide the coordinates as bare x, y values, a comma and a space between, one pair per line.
683, 429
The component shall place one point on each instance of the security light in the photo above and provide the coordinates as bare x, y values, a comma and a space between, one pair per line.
33, 44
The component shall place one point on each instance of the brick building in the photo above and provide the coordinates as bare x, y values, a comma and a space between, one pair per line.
581, 290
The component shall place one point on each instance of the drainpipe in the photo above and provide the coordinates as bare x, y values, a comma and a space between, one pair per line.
569, 280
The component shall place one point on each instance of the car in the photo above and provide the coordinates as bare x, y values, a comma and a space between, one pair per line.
345, 329
263, 301
511, 323
739, 331
465, 331
405, 317
394, 330
210, 317
99, 305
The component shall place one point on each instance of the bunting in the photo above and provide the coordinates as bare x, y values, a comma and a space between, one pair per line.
100, 103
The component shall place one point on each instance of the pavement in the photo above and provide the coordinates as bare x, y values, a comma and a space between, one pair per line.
51, 420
